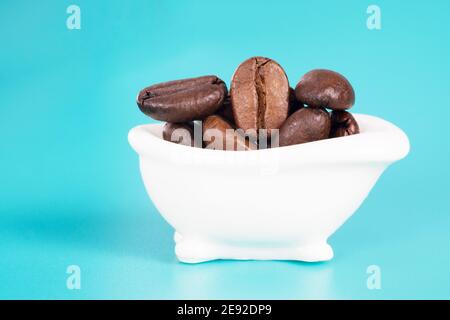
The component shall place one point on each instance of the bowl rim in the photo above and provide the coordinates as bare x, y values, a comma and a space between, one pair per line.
378, 141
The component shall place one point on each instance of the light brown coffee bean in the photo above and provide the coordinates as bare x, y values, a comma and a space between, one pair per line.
259, 94
219, 134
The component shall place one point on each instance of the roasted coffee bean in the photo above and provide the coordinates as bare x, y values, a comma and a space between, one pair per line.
325, 89
181, 133
220, 135
343, 124
305, 125
183, 100
259, 94
294, 104
226, 110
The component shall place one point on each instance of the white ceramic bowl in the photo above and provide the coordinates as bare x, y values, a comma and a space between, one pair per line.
280, 203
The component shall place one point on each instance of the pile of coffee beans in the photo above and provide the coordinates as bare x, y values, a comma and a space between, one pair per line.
260, 111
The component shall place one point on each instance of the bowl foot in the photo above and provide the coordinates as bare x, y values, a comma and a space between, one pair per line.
194, 250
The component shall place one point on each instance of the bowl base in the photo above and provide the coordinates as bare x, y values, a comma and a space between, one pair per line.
194, 250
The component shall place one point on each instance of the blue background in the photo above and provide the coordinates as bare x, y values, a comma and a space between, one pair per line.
70, 190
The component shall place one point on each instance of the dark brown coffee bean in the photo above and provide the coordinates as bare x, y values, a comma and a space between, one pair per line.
259, 94
226, 110
305, 125
220, 135
294, 104
181, 133
325, 89
183, 100
343, 124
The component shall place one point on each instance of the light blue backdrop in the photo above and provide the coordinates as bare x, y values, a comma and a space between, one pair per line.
70, 190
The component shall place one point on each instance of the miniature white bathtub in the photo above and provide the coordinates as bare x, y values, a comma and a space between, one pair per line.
281, 203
